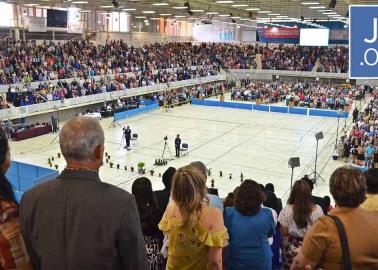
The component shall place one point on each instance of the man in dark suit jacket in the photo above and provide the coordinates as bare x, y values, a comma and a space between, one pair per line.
127, 133
76, 221
162, 196
177, 145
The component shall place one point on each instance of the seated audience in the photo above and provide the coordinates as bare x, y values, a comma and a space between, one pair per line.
249, 226
214, 200
149, 214
162, 196
13, 253
195, 232
295, 219
77, 221
371, 202
321, 247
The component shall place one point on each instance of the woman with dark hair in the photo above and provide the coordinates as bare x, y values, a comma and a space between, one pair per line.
149, 214
13, 254
295, 219
322, 246
249, 225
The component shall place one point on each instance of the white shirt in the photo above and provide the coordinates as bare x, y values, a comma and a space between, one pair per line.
286, 218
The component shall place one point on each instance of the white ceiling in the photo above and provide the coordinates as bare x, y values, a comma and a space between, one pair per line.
277, 8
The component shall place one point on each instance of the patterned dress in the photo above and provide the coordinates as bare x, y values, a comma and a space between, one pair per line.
13, 254
189, 245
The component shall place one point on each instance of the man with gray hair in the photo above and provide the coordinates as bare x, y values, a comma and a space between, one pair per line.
76, 221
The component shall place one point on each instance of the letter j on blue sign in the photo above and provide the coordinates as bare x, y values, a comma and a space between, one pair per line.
363, 42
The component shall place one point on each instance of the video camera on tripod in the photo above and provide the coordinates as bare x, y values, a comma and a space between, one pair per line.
166, 138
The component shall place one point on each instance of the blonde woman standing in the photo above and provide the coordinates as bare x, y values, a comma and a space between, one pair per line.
196, 232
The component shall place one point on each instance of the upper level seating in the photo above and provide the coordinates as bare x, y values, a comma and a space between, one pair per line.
289, 58
24, 61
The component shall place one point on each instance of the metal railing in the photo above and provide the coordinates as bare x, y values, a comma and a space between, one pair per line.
17, 112
244, 73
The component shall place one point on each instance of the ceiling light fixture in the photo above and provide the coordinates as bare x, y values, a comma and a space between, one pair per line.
140, 17
263, 11
148, 12
224, 15
253, 9
179, 16
235, 17
106, 6
79, 2
310, 3
165, 14
239, 5
225, 2
274, 14
179, 7
31, 5
129, 9
197, 10
282, 16
212, 13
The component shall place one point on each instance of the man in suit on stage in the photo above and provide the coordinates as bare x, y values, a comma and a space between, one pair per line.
127, 134
177, 145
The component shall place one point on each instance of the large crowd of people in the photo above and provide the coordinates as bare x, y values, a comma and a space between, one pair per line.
294, 58
89, 86
184, 226
25, 61
360, 145
307, 94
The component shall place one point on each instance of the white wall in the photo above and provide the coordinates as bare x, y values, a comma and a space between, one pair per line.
205, 33
248, 35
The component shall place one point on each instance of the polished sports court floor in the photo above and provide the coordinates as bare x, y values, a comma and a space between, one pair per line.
255, 144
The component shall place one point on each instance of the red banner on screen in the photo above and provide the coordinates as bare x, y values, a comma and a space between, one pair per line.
281, 32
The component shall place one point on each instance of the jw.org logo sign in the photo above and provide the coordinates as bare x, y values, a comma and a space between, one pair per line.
363, 42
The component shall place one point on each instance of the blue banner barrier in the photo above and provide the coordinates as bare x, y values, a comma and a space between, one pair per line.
228, 104
279, 109
259, 107
147, 102
244, 106
298, 111
129, 113
268, 108
23, 176
327, 113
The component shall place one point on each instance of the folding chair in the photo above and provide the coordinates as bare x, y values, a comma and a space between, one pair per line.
184, 148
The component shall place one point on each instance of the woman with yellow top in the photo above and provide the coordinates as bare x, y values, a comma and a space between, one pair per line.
195, 231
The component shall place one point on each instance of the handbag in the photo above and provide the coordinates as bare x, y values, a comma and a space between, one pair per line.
344, 243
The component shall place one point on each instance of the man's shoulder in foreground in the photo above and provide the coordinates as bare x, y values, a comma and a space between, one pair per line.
56, 185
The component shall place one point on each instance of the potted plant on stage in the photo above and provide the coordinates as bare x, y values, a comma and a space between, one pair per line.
141, 169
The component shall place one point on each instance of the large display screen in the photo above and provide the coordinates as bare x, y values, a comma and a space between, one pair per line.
56, 18
314, 37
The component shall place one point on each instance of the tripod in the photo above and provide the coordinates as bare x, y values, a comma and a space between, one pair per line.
315, 172
121, 143
166, 147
